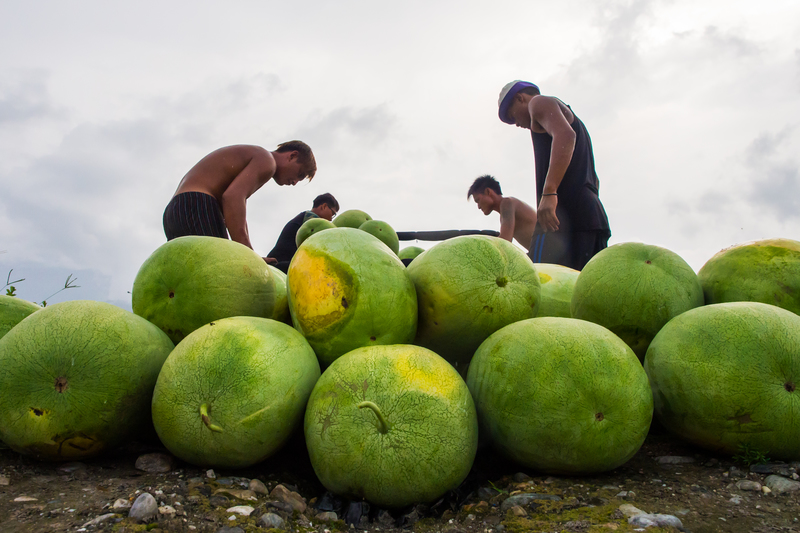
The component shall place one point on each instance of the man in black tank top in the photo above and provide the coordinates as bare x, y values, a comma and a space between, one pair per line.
324, 206
572, 225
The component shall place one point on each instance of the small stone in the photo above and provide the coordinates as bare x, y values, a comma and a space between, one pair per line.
219, 500
736, 500
25, 499
656, 520
327, 516
257, 486
243, 510
712, 462
521, 477
210, 474
155, 463
736, 472
745, 484
234, 529
271, 520
284, 495
518, 511
241, 494
144, 508
166, 510
4, 481
674, 460
71, 468
285, 507
99, 520
623, 494
765, 489
121, 504
779, 484
526, 499
629, 510
485, 493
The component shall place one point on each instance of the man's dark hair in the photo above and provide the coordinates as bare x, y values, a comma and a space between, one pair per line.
483, 183
533, 91
326, 198
306, 156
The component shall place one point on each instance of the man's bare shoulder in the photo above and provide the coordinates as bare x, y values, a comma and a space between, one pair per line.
541, 106
517, 203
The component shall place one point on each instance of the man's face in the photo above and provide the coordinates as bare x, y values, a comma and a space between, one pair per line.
519, 113
484, 203
291, 172
328, 213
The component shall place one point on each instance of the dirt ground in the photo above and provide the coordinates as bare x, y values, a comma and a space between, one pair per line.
45, 497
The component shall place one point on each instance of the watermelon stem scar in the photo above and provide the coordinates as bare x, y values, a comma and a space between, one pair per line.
383, 425
207, 420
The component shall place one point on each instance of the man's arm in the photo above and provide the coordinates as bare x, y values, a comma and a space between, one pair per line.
508, 219
547, 113
234, 200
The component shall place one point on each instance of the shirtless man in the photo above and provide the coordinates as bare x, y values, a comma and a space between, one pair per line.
517, 219
211, 199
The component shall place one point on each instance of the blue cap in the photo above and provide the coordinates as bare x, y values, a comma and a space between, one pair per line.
507, 95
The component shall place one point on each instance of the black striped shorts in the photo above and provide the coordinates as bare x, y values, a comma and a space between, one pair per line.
194, 213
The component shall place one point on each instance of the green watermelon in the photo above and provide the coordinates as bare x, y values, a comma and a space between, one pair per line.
557, 284
190, 281
348, 290
469, 287
384, 232
633, 289
77, 379
310, 227
12, 311
352, 218
410, 252
233, 391
561, 396
725, 376
281, 310
765, 271
394, 425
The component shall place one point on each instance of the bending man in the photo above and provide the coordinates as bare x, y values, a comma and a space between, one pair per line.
517, 219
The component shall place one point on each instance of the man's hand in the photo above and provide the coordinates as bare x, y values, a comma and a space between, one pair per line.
270, 260
547, 218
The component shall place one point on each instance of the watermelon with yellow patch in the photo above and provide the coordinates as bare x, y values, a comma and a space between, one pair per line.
347, 290
77, 379
394, 425
557, 282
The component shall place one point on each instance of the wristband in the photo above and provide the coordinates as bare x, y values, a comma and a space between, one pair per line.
549, 194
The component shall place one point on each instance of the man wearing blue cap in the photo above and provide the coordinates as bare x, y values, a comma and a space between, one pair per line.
572, 225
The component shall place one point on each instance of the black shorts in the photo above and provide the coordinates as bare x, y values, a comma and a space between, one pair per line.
573, 249
194, 213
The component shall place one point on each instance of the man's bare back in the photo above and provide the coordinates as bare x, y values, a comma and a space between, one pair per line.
215, 172
524, 220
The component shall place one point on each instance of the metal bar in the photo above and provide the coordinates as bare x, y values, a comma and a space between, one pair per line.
441, 235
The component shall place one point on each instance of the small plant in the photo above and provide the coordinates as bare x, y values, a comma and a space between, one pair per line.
11, 290
501, 491
750, 456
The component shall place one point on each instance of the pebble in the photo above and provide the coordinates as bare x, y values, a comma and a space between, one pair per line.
121, 504
234, 529
155, 463
526, 499
772, 468
71, 468
521, 477
218, 500
210, 474
144, 508
244, 510
779, 484
626, 494
99, 520
241, 494
4, 481
25, 499
674, 460
284, 495
271, 520
736, 500
166, 510
745, 484
327, 516
518, 511
257, 486
629, 510
765, 489
656, 520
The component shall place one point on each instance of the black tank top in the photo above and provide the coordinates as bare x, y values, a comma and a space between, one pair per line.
579, 207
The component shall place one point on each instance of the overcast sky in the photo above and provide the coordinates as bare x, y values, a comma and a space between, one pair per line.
693, 109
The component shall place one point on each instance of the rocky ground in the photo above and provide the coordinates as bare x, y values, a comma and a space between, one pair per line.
667, 486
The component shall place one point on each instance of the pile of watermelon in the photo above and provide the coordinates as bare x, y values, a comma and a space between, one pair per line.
392, 371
